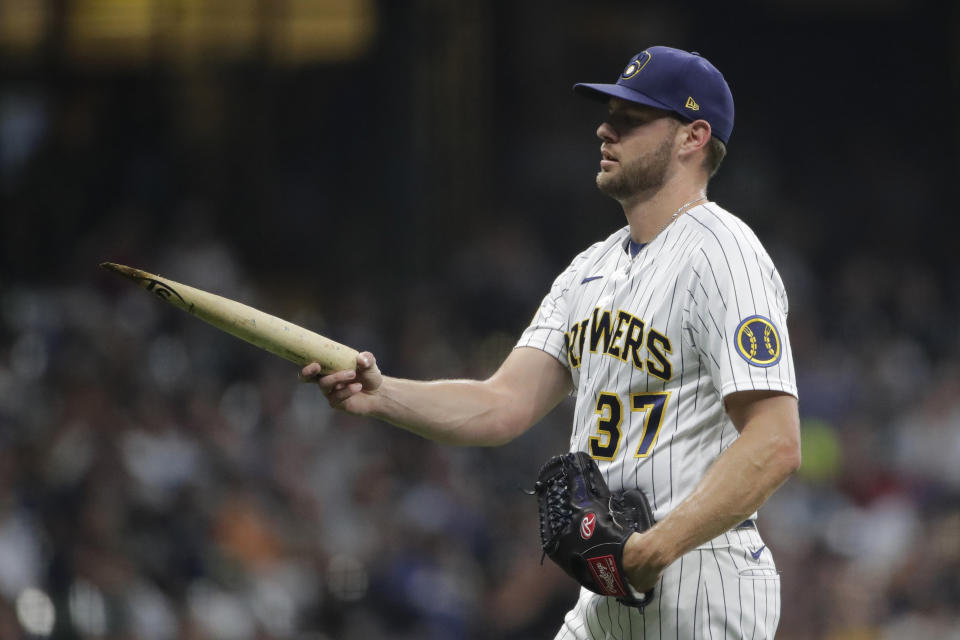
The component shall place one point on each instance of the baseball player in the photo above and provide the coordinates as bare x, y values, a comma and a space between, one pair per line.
672, 334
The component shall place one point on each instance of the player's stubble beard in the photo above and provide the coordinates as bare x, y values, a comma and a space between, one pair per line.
645, 174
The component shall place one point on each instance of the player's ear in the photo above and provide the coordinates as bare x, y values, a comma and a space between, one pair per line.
695, 136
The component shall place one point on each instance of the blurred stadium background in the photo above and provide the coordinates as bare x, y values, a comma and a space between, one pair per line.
408, 177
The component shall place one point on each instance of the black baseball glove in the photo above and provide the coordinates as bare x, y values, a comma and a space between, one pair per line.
583, 527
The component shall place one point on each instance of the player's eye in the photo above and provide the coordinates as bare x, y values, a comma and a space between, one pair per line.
627, 121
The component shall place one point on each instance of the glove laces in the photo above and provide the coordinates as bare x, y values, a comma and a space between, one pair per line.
557, 514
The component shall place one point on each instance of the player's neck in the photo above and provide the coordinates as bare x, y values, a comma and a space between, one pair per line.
648, 216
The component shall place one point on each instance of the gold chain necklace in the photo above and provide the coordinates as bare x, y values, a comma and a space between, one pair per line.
676, 213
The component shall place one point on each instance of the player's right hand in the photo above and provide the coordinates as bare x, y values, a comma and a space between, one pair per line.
351, 390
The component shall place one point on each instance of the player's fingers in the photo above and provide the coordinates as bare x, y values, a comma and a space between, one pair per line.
310, 372
327, 383
367, 371
366, 360
343, 391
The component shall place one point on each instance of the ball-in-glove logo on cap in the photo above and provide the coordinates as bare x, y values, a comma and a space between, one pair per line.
635, 66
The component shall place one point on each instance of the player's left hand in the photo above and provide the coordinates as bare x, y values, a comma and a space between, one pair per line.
583, 527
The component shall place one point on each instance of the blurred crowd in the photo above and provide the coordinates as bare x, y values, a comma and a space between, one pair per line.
160, 480
163, 480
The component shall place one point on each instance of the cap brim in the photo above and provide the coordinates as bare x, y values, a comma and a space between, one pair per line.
603, 92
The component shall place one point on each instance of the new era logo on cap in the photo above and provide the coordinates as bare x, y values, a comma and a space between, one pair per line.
668, 78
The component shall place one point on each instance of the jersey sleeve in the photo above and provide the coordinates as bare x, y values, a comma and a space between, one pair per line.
547, 329
737, 318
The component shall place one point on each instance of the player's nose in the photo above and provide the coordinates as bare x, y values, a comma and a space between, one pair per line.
606, 132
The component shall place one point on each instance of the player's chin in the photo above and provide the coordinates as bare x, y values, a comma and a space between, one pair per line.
605, 179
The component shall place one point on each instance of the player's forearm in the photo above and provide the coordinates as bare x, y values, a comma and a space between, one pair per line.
463, 412
734, 487
737, 484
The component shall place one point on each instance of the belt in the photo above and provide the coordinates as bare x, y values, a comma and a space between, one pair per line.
746, 524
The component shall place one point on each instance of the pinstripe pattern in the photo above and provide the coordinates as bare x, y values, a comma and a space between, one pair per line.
669, 337
716, 591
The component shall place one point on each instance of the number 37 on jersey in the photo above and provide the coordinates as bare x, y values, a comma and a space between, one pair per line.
610, 411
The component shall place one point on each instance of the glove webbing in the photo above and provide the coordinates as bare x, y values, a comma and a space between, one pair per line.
558, 513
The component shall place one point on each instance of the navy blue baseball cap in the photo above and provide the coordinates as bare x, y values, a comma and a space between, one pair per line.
676, 80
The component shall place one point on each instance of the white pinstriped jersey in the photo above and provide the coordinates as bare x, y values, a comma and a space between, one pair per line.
653, 343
